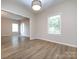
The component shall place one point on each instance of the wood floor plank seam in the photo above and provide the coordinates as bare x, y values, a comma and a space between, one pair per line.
35, 52
35, 49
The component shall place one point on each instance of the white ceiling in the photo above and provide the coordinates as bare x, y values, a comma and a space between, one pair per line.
27, 3
45, 3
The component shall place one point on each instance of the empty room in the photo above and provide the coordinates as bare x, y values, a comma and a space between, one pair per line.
38, 29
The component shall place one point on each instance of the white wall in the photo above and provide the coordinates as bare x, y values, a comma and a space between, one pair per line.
33, 27
6, 26
67, 10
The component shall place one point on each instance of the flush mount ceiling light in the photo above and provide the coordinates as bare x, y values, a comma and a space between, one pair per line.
36, 5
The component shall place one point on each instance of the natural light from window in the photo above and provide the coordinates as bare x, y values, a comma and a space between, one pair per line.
14, 27
54, 25
22, 28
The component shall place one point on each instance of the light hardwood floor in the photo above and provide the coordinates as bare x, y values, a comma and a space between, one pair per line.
22, 48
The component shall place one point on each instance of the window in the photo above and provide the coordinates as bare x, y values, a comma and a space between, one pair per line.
22, 28
54, 25
14, 27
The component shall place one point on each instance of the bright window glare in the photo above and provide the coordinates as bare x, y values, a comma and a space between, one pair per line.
14, 27
22, 28
54, 25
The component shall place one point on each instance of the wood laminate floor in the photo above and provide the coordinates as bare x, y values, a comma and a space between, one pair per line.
23, 48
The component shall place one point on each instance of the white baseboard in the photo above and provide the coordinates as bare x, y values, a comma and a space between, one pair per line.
62, 43
57, 42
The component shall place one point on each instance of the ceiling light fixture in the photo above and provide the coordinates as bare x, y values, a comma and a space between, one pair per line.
36, 5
